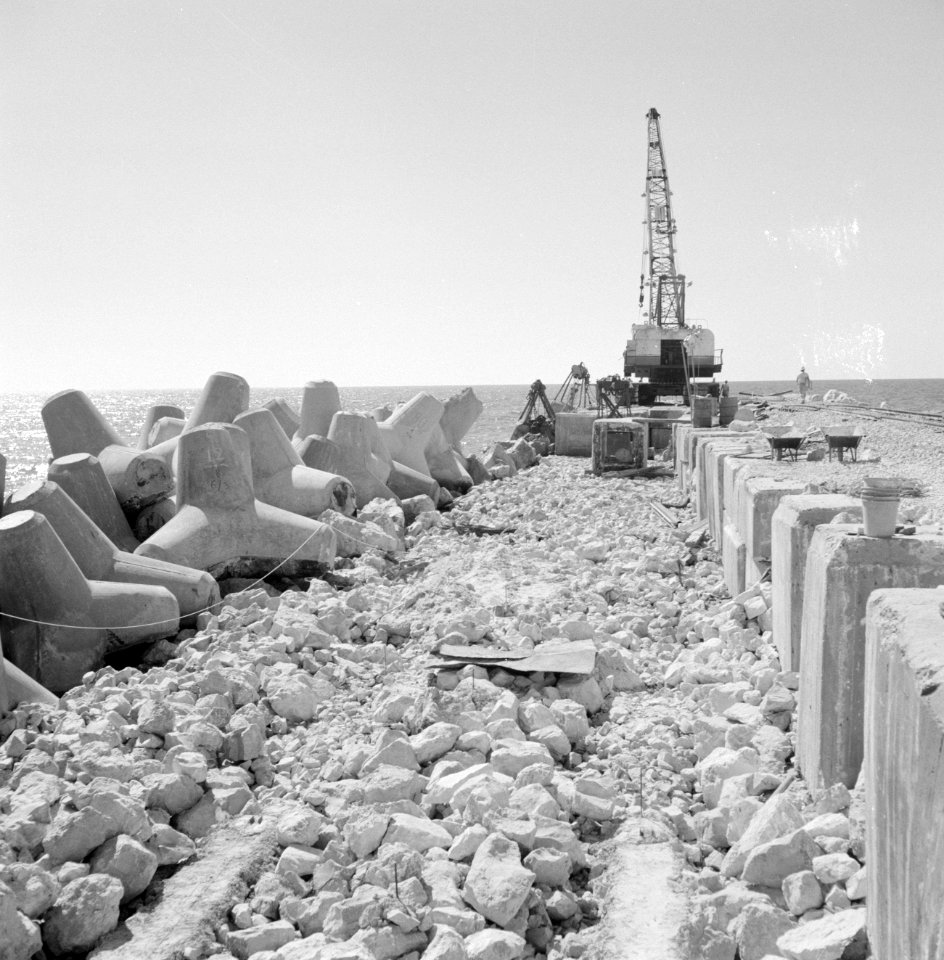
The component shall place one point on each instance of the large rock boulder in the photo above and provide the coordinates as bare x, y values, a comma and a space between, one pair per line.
497, 884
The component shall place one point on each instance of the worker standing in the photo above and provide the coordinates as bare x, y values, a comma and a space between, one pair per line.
804, 384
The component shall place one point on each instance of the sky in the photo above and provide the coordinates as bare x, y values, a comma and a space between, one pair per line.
449, 191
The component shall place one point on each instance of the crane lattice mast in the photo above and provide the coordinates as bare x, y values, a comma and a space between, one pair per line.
666, 287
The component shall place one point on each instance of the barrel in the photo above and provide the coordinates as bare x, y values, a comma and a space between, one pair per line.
727, 410
701, 411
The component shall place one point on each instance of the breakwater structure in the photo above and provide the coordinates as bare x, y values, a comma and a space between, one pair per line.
499, 708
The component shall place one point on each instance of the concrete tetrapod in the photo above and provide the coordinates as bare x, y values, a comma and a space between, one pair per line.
99, 559
460, 411
166, 429
320, 453
82, 619
320, 402
445, 464
74, 425
351, 433
82, 477
155, 412
287, 417
218, 517
281, 478
18, 687
407, 431
224, 397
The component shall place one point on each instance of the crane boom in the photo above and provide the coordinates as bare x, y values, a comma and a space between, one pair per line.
666, 287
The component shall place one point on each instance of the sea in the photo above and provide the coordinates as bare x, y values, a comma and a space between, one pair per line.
23, 438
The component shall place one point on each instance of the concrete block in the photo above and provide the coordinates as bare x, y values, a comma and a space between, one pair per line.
82, 477
711, 477
794, 521
67, 622
281, 479
904, 741
74, 425
573, 434
99, 559
842, 569
733, 558
288, 419
320, 453
218, 517
155, 412
351, 433
446, 465
320, 402
763, 494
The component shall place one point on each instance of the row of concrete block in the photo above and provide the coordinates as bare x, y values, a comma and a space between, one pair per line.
870, 658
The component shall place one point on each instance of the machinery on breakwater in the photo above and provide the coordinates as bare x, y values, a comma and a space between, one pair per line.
665, 356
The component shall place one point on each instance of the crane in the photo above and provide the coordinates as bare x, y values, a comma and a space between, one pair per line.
665, 354
666, 287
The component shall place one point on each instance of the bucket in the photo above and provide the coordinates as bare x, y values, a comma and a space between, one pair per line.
879, 513
701, 411
883, 485
727, 410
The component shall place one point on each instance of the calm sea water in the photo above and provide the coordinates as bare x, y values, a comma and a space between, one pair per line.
23, 439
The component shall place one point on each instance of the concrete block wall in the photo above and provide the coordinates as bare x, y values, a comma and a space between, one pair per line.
842, 570
761, 497
904, 746
792, 527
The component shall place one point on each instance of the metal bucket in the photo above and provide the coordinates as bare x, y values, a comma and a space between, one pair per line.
701, 411
727, 410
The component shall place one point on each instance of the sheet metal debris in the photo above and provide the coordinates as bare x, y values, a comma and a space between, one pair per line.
554, 656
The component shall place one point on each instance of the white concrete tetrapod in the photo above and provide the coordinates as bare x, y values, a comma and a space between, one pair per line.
152, 518
320, 402
380, 461
74, 425
320, 453
281, 478
351, 434
406, 483
223, 398
445, 464
407, 431
218, 516
82, 477
287, 417
460, 411
165, 429
99, 559
380, 414
80, 619
155, 412
18, 687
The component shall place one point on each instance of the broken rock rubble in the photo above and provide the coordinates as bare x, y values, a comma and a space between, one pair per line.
452, 815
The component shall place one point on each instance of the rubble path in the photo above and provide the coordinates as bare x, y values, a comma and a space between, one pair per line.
451, 813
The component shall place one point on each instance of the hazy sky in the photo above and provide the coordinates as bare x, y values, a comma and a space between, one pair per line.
449, 192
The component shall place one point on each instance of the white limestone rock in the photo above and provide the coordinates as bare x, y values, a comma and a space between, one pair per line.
497, 885
834, 867
824, 939
768, 864
494, 945
802, 892
434, 741
417, 833
129, 861
85, 911
757, 928
510, 757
